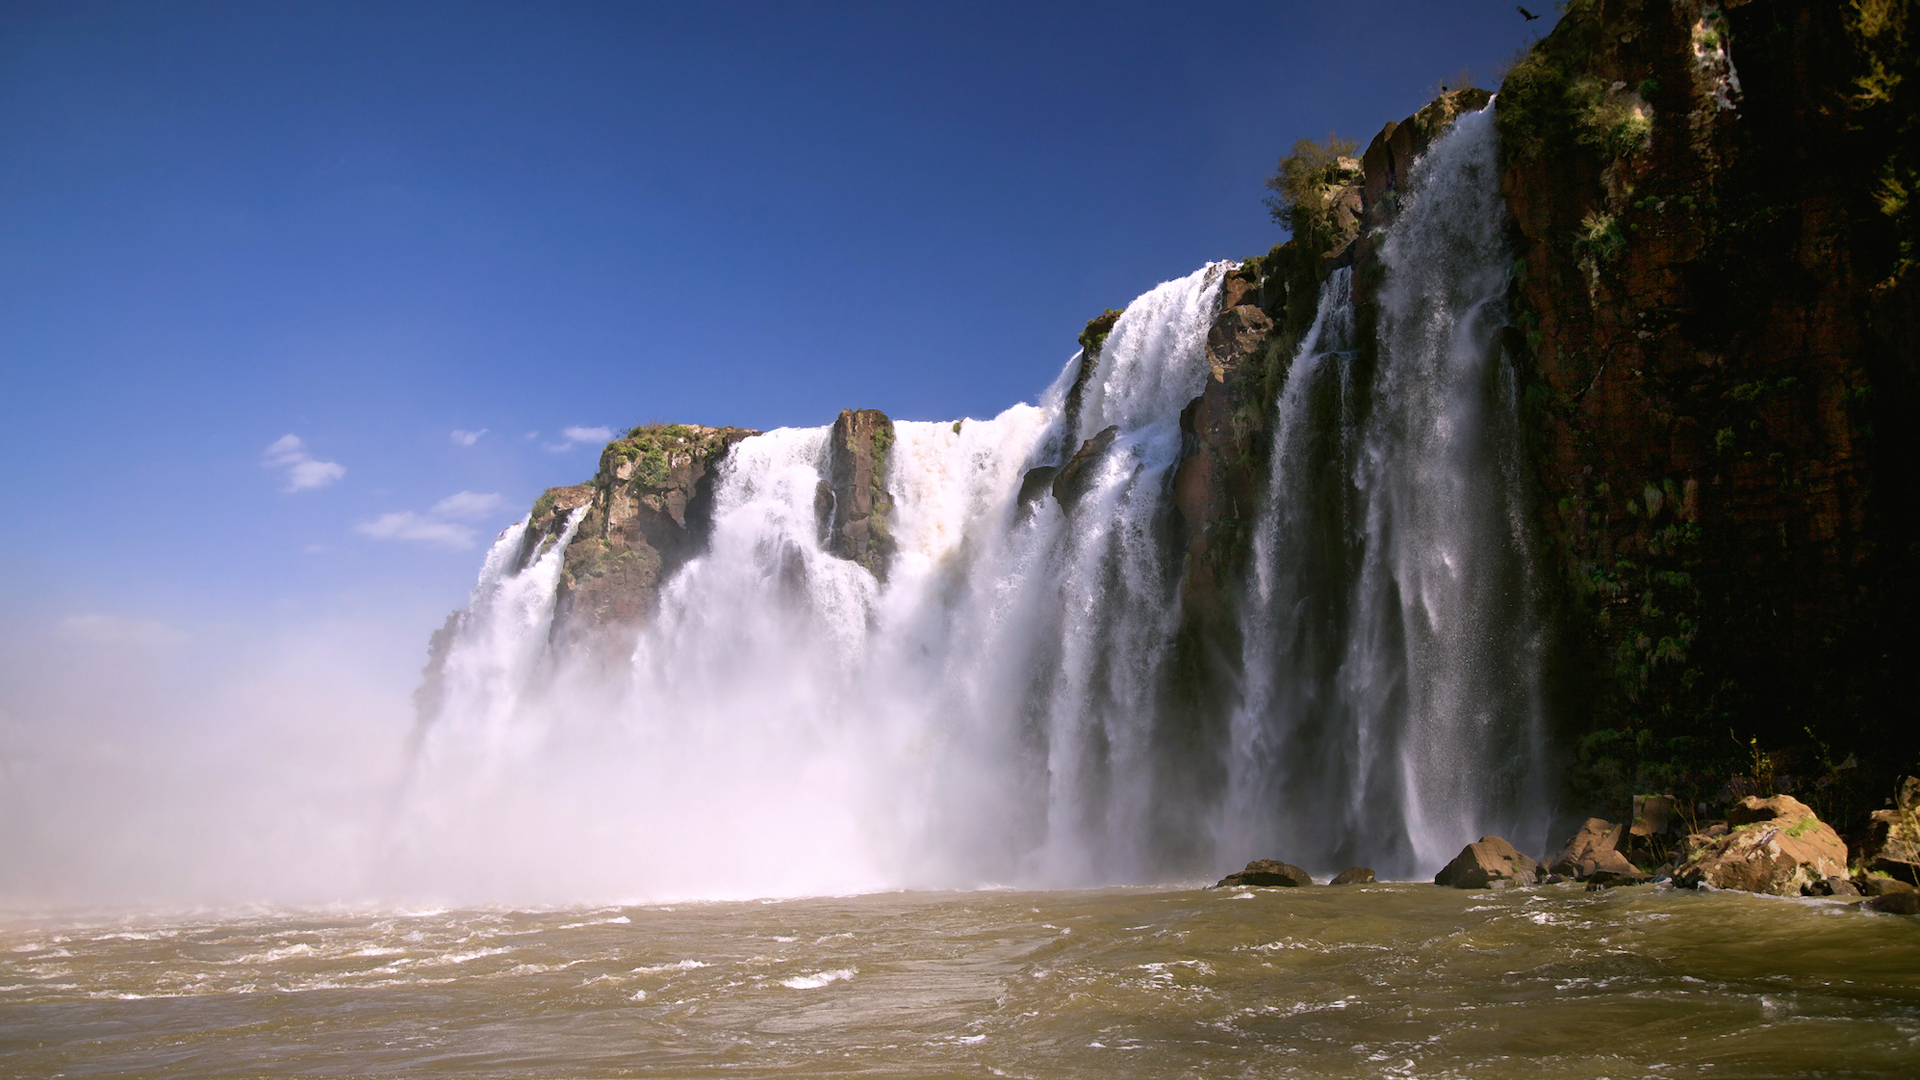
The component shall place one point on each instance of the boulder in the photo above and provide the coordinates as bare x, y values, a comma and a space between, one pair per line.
1489, 863
1267, 872
1607, 879
1359, 875
1893, 841
1774, 845
1653, 815
1875, 885
1834, 886
1592, 851
1899, 903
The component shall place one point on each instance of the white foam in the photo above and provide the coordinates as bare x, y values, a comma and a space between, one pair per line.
818, 979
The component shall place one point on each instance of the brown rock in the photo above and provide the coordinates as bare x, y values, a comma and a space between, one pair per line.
1359, 875
1653, 815
647, 511
1267, 872
1073, 478
1753, 809
1488, 863
858, 506
1579, 858
1893, 840
1710, 492
1900, 903
1835, 886
1874, 885
1607, 879
1774, 846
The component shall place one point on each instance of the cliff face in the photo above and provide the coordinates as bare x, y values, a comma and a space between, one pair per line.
648, 510
1716, 311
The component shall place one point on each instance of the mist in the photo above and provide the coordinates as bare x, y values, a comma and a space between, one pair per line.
148, 765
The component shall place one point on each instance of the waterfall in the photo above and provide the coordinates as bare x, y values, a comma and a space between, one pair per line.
1393, 644
988, 708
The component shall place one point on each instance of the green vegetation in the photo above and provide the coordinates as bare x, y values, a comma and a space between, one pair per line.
1098, 327
1600, 239
1305, 186
1883, 94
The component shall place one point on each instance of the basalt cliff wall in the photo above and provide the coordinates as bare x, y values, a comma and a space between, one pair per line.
1713, 318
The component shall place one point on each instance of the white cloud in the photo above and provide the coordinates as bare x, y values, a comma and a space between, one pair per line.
303, 470
467, 438
407, 525
467, 505
440, 525
574, 436
119, 630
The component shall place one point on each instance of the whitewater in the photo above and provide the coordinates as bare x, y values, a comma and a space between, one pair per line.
994, 707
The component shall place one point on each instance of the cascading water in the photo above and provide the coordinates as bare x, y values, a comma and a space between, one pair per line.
987, 710
1394, 650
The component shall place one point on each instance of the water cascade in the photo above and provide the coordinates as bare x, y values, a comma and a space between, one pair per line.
985, 709
1393, 647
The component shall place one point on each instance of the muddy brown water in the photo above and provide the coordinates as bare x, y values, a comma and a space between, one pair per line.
1392, 980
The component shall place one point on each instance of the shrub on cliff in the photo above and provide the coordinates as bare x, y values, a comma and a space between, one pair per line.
1305, 181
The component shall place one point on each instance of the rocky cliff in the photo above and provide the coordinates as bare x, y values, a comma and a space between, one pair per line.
1713, 298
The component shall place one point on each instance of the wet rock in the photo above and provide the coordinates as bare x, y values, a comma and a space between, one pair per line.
1037, 482
1073, 478
1489, 863
1608, 879
1899, 903
1267, 872
1359, 875
1774, 845
1833, 886
859, 506
1874, 885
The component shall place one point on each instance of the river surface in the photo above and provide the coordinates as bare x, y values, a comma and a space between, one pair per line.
1387, 980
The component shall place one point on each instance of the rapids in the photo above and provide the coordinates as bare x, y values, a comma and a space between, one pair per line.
1357, 981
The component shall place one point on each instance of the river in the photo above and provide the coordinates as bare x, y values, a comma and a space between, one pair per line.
1390, 980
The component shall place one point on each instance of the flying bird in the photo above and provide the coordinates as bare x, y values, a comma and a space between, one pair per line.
1525, 14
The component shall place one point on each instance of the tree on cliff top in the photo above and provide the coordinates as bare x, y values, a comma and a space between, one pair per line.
1301, 185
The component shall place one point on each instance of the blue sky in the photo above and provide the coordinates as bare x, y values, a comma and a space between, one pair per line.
373, 226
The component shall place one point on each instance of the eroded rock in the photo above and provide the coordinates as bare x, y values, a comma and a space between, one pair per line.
1594, 850
1489, 863
1359, 875
1774, 845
